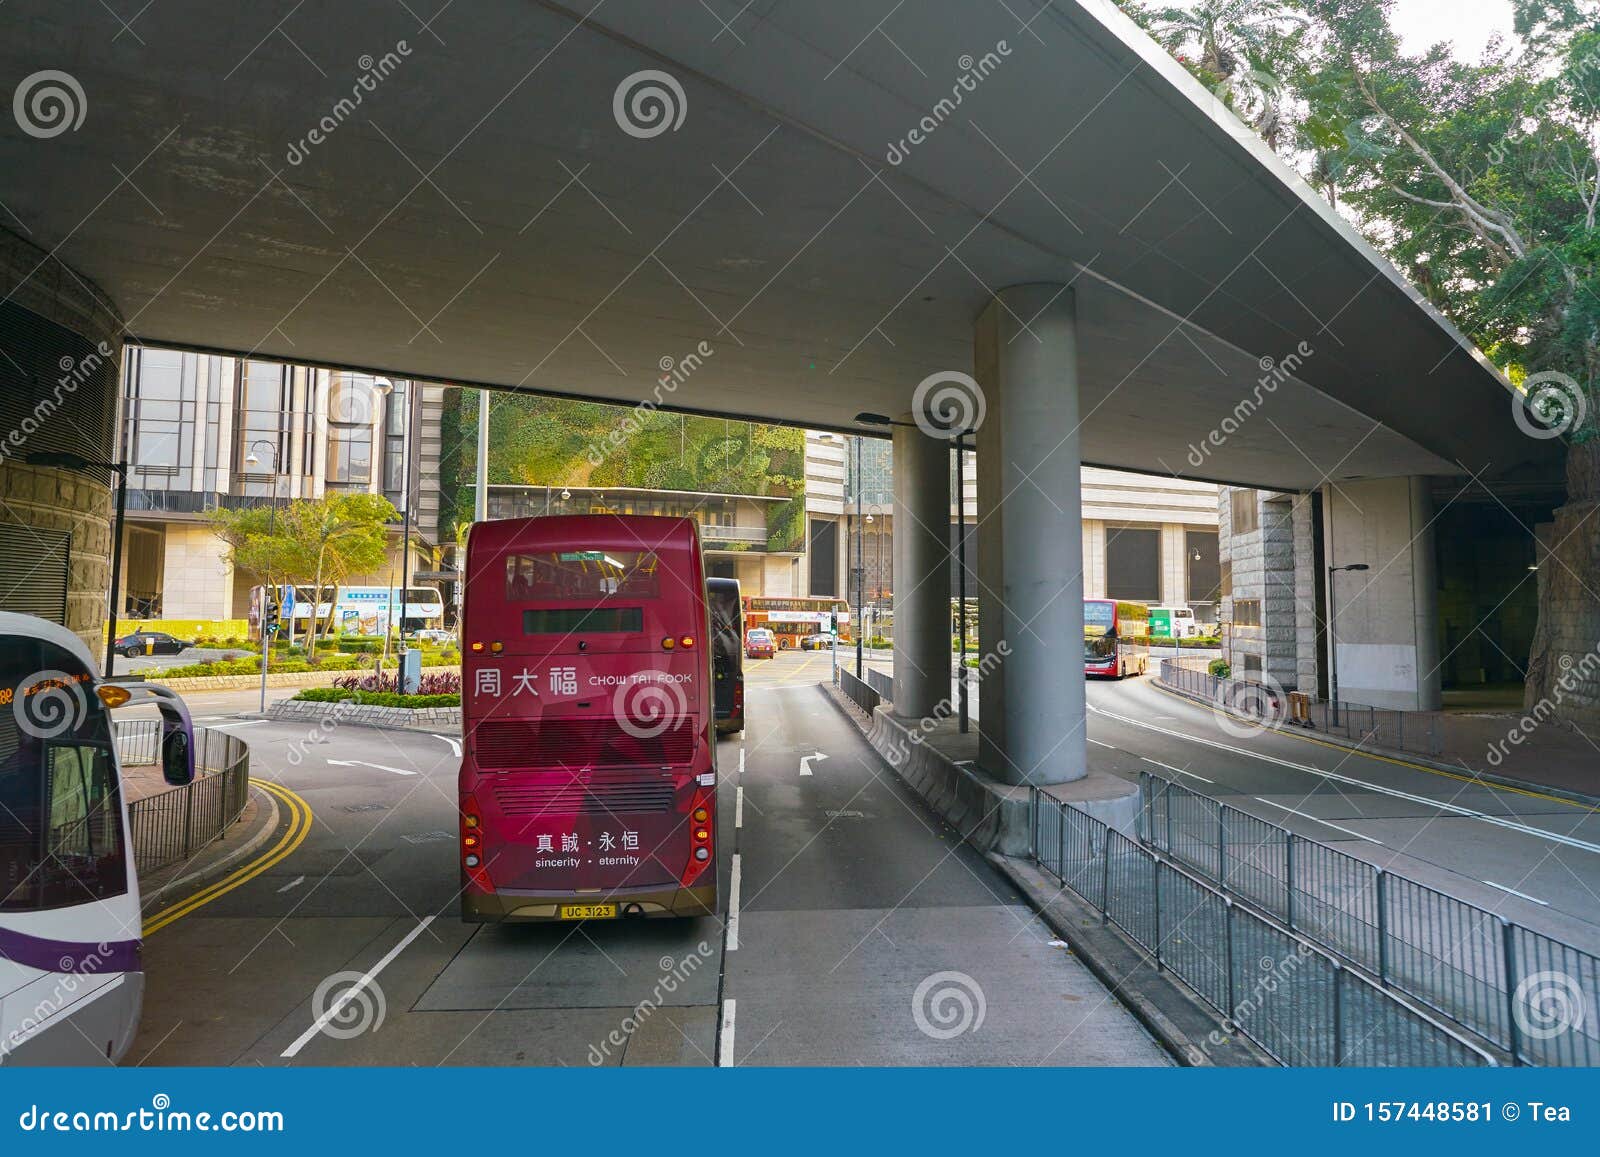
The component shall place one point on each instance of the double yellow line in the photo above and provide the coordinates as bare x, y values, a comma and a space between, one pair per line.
299, 828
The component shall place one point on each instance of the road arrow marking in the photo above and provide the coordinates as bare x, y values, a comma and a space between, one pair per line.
805, 761
364, 763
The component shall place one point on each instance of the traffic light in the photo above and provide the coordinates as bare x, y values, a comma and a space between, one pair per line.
833, 621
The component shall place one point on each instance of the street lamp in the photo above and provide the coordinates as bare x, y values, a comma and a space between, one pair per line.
1333, 653
251, 458
66, 460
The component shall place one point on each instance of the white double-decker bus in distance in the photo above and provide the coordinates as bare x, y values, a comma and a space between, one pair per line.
358, 610
71, 980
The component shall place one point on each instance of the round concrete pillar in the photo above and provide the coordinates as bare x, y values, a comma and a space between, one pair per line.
921, 571
1031, 537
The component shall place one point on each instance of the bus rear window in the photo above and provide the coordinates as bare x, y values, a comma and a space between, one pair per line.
583, 620
586, 576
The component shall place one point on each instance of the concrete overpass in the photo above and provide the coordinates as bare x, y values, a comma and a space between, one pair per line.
809, 208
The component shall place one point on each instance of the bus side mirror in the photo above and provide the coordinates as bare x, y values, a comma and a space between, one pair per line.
177, 744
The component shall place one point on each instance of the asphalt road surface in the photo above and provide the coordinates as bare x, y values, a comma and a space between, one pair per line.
857, 928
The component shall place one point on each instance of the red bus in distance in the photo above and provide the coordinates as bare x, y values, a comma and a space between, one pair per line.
588, 773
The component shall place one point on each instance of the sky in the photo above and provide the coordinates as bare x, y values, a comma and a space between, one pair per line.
1467, 24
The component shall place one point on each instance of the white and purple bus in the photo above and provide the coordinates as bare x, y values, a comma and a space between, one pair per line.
71, 981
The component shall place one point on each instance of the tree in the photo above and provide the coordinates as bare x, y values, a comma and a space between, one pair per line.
320, 542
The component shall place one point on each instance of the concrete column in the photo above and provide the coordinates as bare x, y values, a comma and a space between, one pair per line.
922, 570
1030, 501
1385, 619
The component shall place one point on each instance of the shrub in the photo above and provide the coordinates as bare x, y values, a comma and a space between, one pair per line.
878, 642
439, 683
1219, 668
377, 698
359, 645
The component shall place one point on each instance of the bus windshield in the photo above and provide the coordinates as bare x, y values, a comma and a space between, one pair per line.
1098, 617
61, 840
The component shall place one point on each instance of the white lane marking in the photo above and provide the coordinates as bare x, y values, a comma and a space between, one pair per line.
1352, 781
355, 990
1179, 770
1097, 743
741, 761
1315, 820
364, 763
805, 761
292, 884
455, 744
240, 723
733, 905
1521, 895
738, 807
725, 1047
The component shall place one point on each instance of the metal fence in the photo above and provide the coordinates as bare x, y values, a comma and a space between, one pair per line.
1302, 1005
1531, 995
1414, 731
174, 824
859, 690
882, 682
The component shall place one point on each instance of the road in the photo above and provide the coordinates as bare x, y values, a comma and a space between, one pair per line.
1529, 857
858, 928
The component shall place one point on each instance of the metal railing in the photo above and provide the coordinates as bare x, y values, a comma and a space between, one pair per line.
1520, 990
1418, 732
1301, 1005
172, 825
860, 691
882, 682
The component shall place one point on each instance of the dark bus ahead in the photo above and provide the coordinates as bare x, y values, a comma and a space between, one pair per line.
727, 652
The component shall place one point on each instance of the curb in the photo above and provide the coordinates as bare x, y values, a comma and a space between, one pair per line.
222, 865
1104, 952
1488, 777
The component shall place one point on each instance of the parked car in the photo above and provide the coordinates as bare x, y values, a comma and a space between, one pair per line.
760, 643
821, 641
149, 643
433, 635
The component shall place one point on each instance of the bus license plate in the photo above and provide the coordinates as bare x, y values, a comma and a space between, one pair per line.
588, 912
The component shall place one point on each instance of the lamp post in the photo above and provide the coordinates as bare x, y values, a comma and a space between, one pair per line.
1333, 653
66, 460
251, 458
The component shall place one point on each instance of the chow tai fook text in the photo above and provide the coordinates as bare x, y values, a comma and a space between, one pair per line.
497, 683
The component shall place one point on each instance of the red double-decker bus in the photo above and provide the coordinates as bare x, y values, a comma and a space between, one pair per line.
588, 773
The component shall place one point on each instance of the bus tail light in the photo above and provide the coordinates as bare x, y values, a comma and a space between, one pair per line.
701, 848
687, 642
668, 643
472, 847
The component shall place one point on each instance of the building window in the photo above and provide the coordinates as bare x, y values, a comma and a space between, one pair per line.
1247, 612
352, 408
1133, 563
1246, 516
1203, 570
824, 544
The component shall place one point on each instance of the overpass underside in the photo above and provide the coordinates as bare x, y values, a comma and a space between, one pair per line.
797, 214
